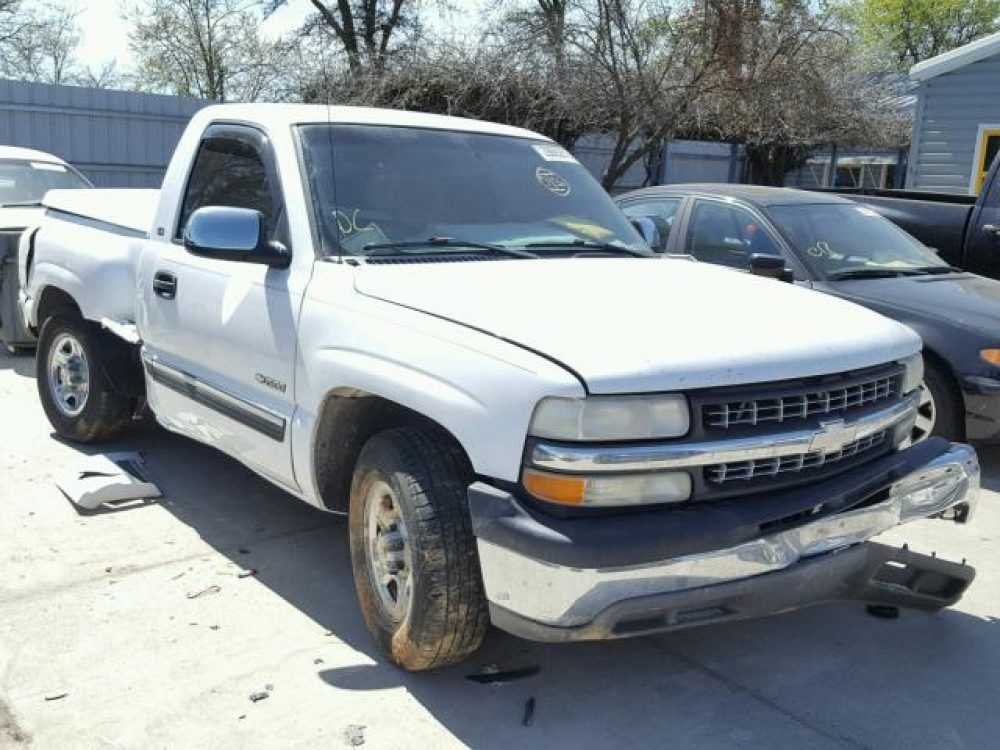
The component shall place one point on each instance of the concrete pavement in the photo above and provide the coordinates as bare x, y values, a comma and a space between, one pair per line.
132, 629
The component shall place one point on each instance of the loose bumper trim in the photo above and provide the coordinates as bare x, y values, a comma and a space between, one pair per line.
870, 572
523, 581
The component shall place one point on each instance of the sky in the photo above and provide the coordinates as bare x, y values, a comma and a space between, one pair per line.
104, 34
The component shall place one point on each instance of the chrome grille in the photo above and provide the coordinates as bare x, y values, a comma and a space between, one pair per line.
772, 467
804, 404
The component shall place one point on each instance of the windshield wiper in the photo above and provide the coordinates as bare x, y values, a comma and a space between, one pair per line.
929, 270
870, 273
607, 247
385, 248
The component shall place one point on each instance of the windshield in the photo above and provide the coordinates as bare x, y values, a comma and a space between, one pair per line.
381, 190
835, 239
26, 182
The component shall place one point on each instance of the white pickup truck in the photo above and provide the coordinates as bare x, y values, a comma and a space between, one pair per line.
445, 329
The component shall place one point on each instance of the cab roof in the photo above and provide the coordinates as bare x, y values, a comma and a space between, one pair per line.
759, 195
286, 115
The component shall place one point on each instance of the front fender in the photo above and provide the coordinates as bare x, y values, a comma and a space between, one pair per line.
481, 389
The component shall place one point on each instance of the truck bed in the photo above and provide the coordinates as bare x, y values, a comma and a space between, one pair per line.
131, 210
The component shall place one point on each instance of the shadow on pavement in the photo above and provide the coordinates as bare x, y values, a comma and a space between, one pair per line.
22, 364
832, 673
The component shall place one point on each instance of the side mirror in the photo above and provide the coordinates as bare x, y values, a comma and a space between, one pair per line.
770, 266
235, 234
646, 227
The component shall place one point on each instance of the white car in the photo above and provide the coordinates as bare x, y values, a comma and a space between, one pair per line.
444, 329
25, 176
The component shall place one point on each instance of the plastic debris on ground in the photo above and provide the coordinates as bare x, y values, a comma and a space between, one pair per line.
490, 675
112, 480
355, 734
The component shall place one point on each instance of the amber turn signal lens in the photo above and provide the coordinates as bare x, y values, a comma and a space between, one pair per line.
991, 355
555, 488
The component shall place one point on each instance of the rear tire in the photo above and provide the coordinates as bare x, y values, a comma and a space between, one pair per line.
77, 397
416, 569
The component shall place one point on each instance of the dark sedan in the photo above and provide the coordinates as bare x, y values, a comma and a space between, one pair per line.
839, 247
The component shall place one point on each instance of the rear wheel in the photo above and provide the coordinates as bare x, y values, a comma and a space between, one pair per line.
78, 399
416, 570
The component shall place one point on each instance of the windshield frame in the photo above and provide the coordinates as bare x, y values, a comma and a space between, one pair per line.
817, 271
69, 168
330, 246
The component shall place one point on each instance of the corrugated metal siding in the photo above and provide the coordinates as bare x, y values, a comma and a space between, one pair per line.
951, 108
116, 138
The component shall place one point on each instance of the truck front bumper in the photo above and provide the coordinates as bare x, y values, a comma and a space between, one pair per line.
614, 576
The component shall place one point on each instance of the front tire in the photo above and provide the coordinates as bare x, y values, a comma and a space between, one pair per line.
414, 557
941, 412
77, 397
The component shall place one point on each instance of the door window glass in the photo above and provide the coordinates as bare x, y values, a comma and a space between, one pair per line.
728, 235
661, 213
229, 172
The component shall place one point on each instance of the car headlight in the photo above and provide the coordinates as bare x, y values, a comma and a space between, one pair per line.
990, 355
913, 376
616, 491
602, 418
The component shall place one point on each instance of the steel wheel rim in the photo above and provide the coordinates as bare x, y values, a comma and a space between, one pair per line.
926, 415
388, 554
69, 375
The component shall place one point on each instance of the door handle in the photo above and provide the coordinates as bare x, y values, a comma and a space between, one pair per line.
992, 229
164, 285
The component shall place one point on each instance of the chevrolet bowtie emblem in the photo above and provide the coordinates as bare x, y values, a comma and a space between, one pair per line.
832, 436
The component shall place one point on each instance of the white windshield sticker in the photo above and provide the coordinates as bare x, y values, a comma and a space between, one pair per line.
865, 211
47, 166
554, 183
552, 152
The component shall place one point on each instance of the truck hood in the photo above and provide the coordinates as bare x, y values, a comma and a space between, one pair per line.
630, 325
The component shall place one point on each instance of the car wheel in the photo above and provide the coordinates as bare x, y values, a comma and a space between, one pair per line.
940, 412
77, 397
414, 557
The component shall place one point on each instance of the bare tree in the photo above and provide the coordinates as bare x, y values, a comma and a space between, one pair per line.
485, 83
788, 81
368, 31
212, 49
104, 76
38, 42
640, 70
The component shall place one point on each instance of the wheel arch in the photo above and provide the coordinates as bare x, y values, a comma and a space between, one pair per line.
50, 299
346, 420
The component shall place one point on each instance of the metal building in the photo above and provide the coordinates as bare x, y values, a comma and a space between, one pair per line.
956, 132
116, 138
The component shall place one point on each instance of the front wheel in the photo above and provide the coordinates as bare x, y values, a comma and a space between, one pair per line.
414, 557
78, 399
940, 412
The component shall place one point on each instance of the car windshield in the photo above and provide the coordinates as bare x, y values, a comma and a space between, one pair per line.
26, 182
390, 190
848, 239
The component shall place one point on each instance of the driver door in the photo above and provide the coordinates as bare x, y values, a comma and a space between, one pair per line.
219, 335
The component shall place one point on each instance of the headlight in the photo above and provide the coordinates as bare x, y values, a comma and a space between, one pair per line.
611, 418
990, 355
914, 374
608, 491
